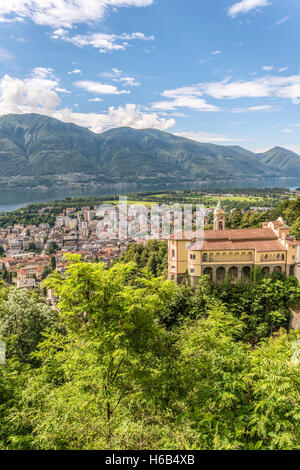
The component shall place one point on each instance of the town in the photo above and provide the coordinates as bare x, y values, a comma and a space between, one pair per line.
31, 250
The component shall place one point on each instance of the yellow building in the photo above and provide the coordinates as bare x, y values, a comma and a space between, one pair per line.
232, 254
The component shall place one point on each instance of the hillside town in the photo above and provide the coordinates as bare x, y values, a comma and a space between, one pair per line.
31, 250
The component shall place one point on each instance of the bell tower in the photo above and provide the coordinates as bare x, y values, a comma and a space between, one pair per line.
219, 217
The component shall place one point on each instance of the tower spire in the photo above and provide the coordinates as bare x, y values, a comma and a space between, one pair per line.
219, 217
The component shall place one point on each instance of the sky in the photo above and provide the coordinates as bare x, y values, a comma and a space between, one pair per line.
219, 71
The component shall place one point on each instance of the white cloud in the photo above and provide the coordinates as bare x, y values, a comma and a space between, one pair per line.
204, 137
283, 69
268, 86
185, 97
262, 108
130, 115
127, 81
63, 13
282, 20
291, 128
117, 76
42, 72
95, 100
36, 94
104, 42
100, 88
193, 96
216, 53
117, 72
75, 72
245, 6
39, 94
267, 68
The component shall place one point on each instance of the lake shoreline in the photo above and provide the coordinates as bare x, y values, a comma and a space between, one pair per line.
13, 199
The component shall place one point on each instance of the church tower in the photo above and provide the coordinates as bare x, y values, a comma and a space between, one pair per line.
219, 217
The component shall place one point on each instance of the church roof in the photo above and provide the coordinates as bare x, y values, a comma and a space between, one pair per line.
219, 207
258, 239
257, 245
227, 235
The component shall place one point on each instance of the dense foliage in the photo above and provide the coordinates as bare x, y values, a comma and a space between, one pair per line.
153, 256
290, 211
133, 361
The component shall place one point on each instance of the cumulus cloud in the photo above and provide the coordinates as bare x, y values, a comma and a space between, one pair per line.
185, 97
194, 97
268, 68
127, 81
245, 6
63, 13
268, 86
35, 94
118, 76
100, 88
39, 93
104, 42
130, 115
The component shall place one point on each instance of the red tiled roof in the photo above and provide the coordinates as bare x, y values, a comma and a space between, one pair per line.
241, 234
257, 245
234, 234
186, 235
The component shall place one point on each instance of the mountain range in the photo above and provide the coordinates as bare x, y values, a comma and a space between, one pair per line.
35, 145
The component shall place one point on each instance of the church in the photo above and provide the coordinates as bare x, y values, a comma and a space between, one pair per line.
232, 254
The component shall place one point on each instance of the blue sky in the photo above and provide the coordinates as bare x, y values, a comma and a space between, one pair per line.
220, 71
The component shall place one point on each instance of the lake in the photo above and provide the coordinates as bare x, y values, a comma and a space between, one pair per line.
11, 200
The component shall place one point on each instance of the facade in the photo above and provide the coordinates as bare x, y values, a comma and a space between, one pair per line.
232, 254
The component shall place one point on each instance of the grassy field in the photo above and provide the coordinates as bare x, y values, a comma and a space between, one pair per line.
136, 203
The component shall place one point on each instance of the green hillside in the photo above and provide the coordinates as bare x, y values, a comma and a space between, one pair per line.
34, 145
284, 160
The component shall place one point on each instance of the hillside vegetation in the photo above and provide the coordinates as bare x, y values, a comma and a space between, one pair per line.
34, 145
132, 361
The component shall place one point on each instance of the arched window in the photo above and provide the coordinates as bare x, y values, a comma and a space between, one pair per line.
205, 257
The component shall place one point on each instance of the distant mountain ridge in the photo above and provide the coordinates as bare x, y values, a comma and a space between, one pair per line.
284, 160
34, 145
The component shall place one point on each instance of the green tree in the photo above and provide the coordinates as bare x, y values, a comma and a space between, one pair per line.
53, 263
275, 379
113, 315
23, 319
46, 271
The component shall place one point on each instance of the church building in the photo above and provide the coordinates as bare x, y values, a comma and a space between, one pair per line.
232, 254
